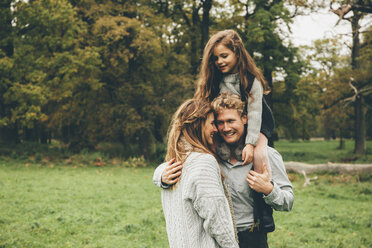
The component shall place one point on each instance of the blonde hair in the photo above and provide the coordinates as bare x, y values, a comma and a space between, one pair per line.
227, 100
210, 77
188, 122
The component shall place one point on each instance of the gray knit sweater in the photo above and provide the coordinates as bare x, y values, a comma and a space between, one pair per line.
231, 83
196, 210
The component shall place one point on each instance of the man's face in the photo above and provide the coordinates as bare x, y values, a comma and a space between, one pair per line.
230, 125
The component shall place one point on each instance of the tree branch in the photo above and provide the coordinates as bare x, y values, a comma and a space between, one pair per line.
179, 7
341, 11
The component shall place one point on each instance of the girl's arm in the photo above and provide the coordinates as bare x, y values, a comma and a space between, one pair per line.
254, 116
254, 113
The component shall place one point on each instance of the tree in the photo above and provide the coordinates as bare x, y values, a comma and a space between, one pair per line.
142, 77
356, 87
329, 69
190, 24
48, 66
8, 133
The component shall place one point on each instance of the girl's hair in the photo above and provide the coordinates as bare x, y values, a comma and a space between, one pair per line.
188, 122
210, 77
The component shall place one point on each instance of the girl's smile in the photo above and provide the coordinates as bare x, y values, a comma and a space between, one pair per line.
225, 59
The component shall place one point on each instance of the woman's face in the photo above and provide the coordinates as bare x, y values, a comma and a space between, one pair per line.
225, 59
210, 129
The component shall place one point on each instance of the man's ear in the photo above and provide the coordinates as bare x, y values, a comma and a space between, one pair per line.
244, 118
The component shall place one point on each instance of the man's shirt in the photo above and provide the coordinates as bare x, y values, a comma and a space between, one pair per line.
281, 198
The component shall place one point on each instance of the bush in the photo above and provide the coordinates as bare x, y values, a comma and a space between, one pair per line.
136, 162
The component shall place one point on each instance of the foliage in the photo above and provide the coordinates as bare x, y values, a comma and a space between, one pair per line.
90, 72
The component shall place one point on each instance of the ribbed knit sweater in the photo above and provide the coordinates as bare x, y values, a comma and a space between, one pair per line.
231, 83
196, 210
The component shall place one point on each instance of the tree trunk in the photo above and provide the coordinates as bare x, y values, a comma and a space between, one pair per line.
342, 141
360, 130
207, 5
194, 40
355, 53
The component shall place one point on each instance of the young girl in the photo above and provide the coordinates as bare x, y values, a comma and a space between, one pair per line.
227, 66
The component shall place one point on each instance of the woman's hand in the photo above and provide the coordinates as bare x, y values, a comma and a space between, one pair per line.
260, 182
247, 154
172, 172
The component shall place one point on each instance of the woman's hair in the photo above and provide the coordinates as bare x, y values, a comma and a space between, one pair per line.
188, 122
210, 77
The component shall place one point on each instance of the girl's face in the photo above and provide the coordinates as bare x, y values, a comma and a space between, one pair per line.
225, 59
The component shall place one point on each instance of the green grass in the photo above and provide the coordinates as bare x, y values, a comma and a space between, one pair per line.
113, 206
319, 151
333, 211
79, 207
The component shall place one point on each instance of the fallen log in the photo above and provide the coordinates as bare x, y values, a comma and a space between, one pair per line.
299, 167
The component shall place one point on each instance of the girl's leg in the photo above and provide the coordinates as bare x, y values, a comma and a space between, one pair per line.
260, 155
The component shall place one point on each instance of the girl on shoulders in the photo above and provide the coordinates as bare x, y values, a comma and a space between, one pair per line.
227, 66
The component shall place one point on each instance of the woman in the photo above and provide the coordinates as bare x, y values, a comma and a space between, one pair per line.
196, 209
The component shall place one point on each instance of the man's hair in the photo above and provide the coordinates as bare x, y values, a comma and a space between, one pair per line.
228, 100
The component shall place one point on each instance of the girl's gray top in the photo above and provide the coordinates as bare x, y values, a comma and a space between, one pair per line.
231, 83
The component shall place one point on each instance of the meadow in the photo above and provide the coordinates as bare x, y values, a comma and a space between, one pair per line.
89, 200
71, 206
322, 151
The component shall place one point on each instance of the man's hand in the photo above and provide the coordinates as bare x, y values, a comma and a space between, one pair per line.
172, 172
260, 182
247, 154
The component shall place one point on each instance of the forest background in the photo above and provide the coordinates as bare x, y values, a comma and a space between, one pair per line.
110, 74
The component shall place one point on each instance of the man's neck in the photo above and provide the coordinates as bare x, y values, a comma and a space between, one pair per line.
230, 152
235, 151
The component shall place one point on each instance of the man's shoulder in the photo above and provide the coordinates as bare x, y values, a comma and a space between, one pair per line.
276, 160
272, 151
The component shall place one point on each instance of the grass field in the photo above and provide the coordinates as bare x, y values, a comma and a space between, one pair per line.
320, 151
76, 206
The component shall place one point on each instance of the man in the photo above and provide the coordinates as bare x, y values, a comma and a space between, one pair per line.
242, 182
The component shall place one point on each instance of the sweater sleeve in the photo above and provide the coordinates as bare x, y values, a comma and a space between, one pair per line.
205, 191
254, 113
281, 197
157, 176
